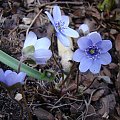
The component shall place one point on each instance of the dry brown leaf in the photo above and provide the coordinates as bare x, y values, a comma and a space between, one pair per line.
87, 79
118, 110
91, 24
117, 83
43, 114
30, 1
94, 117
94, 12
108, 104
105, 79
58, 115
91, 110
117, 42
71, 87
105, 72
113, 66
74, 108
79, 12
98, 94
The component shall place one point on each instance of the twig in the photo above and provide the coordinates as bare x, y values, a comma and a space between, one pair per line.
70, 98
14, 29
33, 22
58, 101
88, 103
62, 105
84, 114
90, 84
63, 2
77, 81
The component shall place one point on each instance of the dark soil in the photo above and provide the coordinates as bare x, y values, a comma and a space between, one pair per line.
81, 97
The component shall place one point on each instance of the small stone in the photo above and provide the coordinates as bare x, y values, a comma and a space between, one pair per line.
18, 96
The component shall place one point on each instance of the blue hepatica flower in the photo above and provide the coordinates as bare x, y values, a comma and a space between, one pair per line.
10, 78
41, 46
92, 52
60, 23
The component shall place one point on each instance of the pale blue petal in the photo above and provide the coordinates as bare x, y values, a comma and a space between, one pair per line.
94, 37
56, 14
85, 64
2, 77
43, 43
31, 39
11, 79
105, 58
41, 61
7, 72
65, 19
21, 77
63, 39
70, 32
105, 45
78, 55
50, 18
84, 43
95, 67
42, 54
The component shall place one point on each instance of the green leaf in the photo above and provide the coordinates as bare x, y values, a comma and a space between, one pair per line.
28, 51
13, 63
106, 5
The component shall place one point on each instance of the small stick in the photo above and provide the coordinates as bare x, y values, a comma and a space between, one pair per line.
33, 22
64, 2
77, 81
90, 84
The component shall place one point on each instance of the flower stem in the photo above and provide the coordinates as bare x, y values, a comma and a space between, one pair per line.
67, 75
59, 65
24, 99
20, 63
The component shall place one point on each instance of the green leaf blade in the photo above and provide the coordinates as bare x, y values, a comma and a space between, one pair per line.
13, 63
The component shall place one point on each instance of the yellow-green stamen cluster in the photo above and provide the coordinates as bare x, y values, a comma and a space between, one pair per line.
92, 52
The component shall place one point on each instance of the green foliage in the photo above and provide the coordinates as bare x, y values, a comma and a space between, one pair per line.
28, 51
13, 63
106, 5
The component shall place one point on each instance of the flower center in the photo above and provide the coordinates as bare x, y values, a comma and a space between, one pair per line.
60, 25
93, 52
